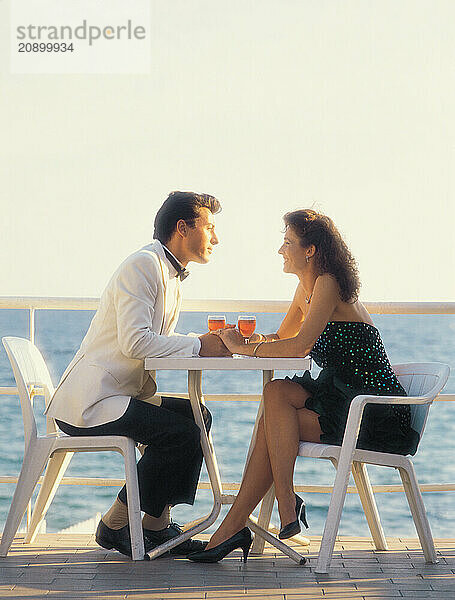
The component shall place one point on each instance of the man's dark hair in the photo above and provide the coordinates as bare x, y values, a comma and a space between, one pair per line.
181, 205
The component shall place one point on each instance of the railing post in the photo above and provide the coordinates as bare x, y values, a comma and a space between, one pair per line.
32, 325
32, 339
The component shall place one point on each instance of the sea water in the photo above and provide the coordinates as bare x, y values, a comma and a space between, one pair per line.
407, 338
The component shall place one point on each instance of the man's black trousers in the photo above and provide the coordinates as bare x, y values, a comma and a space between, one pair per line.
169, 469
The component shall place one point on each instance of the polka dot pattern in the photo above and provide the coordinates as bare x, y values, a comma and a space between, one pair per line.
355, 350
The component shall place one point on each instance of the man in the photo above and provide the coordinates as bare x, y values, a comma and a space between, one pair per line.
106, 391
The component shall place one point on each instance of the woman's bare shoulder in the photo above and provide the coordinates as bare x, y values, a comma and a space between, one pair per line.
327, 279
327, 285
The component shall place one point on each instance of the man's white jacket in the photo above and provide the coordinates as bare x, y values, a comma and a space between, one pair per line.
131, 323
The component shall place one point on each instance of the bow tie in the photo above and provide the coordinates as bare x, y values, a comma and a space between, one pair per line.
181, 271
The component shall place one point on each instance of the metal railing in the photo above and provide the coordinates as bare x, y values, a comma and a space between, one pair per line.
207, 305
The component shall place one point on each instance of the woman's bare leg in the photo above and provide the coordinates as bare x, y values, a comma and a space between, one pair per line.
258, 475
286, 422
255, 484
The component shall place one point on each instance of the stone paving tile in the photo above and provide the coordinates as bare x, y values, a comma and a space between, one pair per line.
433, 595
11, 573
264, 592
296, 597
103, 576
227, 575
415, 587
365, 573
357, 594
234, 591
38, 576
257, 570
328, 580
147, 596
82, 595
444, 586
171, 595
381, 596
127, 589
436, 571
79, 568
266, 588
20, 590
348, 561
8, 562
228, 597
299, 595
126, 569
262, 581
126, 584
65, 583
334, 575
399, 571
306, 590
216, 584
73, 575
182, 583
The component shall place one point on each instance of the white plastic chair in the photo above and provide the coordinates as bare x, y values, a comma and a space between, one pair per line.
56, 449
422, 382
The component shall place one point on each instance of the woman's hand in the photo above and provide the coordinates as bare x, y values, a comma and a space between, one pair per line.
232, 339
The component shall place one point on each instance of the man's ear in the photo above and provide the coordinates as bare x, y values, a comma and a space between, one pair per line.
181, 228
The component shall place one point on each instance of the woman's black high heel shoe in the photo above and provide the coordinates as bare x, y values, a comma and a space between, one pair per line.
293, 528
242, 539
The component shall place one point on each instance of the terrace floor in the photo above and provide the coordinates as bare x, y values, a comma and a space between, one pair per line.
73, 566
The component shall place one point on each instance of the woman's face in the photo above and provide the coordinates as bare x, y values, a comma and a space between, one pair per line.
293, 253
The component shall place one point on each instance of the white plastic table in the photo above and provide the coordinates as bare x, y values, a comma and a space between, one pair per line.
195, 366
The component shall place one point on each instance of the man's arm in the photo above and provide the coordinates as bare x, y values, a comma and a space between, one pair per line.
135, 295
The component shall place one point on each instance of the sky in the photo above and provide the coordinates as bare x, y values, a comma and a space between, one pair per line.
347, 107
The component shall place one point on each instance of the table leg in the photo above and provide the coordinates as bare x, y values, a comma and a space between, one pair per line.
265, 511
196, 399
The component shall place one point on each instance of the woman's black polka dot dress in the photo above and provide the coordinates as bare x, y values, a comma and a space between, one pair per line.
354, 361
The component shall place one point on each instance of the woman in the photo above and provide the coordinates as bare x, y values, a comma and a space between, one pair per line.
327, 321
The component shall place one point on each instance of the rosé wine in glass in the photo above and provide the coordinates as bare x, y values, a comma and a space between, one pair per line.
216, 322
246, 325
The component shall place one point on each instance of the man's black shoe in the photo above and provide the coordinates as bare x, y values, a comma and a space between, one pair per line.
156, 538
114, 538
119, 539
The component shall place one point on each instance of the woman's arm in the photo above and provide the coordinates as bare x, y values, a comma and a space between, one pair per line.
324, 301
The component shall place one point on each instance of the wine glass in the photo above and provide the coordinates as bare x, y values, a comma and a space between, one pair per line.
216, 322
246, 325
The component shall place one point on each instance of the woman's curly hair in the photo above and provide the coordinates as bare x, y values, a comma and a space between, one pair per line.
332, 255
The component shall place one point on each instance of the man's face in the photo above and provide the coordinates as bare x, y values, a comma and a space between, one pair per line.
202, 237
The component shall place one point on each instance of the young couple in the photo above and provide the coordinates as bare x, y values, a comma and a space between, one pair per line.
106, 391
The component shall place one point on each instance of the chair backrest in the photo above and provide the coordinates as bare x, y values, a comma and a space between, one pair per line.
30, 372
422, 379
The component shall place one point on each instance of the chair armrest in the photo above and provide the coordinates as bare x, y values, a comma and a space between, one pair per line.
351, 432
358, 405
390, 400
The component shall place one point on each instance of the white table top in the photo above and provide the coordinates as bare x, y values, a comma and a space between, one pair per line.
236, 363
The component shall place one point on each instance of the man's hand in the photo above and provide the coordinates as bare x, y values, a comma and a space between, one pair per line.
212, 345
